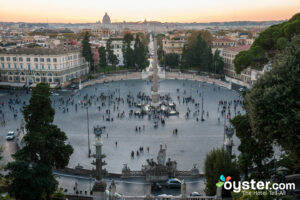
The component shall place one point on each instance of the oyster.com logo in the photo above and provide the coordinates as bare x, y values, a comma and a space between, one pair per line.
223, 180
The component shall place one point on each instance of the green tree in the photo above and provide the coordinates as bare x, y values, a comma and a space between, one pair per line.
127, 50
258, 157
160, 51
197, 54
270, 42
218, 63
273, 103
86, 50
102, 57
171, 60
140, 53
218, 162
45, 148
111, 57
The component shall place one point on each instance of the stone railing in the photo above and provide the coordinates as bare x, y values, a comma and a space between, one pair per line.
112, 77
191, 76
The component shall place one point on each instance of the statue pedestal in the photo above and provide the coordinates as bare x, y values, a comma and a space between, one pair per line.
155, 99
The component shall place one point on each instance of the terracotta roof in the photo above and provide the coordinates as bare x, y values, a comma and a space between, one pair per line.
237, 48
222, 40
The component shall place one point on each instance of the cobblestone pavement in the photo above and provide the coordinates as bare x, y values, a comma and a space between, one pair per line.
193, 141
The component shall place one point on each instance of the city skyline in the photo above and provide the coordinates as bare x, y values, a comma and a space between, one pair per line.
79, 11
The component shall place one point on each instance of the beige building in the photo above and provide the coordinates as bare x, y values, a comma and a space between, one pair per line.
174, 45
228, 55
25, 66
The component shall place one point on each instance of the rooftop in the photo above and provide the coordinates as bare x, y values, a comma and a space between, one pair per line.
237, 48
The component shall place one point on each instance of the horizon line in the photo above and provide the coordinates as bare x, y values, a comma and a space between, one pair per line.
144, 21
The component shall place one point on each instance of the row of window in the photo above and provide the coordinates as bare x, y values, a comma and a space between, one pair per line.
36, 79
37, 67
28, 59
37, 59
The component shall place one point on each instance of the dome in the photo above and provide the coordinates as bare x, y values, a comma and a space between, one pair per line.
106, 19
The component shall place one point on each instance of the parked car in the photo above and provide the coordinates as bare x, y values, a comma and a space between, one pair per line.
195, 194
173, 183
10, 135
156, 186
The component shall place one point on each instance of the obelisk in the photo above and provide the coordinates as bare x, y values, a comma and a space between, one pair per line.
155, 95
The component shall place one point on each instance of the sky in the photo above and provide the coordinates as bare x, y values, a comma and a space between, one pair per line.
90, 11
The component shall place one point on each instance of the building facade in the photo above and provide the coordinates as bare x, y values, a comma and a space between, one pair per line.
228, 55
174, 45
26, 66
116, 46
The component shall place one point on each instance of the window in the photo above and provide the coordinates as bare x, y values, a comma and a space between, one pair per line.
20, 59
49, 67
36, 60
54, 59
2, 65
42, 59
28, 66
2, 58
14, 58
15, 65
48, 60
7, 58
55, 67
21, 66
50, 80
8, 65
27, 59
36, 66
43, 67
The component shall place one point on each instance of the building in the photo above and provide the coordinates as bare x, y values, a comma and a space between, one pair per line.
29, 66
223, 42
106, 19
228, 55
174, 45
116, 45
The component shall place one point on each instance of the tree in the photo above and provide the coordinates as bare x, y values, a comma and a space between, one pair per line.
218, 63
205, 35
258, 157
102, 57
271, 41
197, 54
160, 51
127, 50
111, 57
218, 162
45, 148
171, 60
86, 50
273, 103
140, 53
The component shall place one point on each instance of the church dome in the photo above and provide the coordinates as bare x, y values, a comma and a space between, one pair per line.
106, 19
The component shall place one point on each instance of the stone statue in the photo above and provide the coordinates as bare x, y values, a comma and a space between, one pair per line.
161, 158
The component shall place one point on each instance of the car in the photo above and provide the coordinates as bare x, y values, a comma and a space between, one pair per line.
173, 183
10, 135
54, 94
195, 194
156, 186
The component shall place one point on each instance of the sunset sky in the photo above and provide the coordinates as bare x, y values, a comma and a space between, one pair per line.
79, 11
